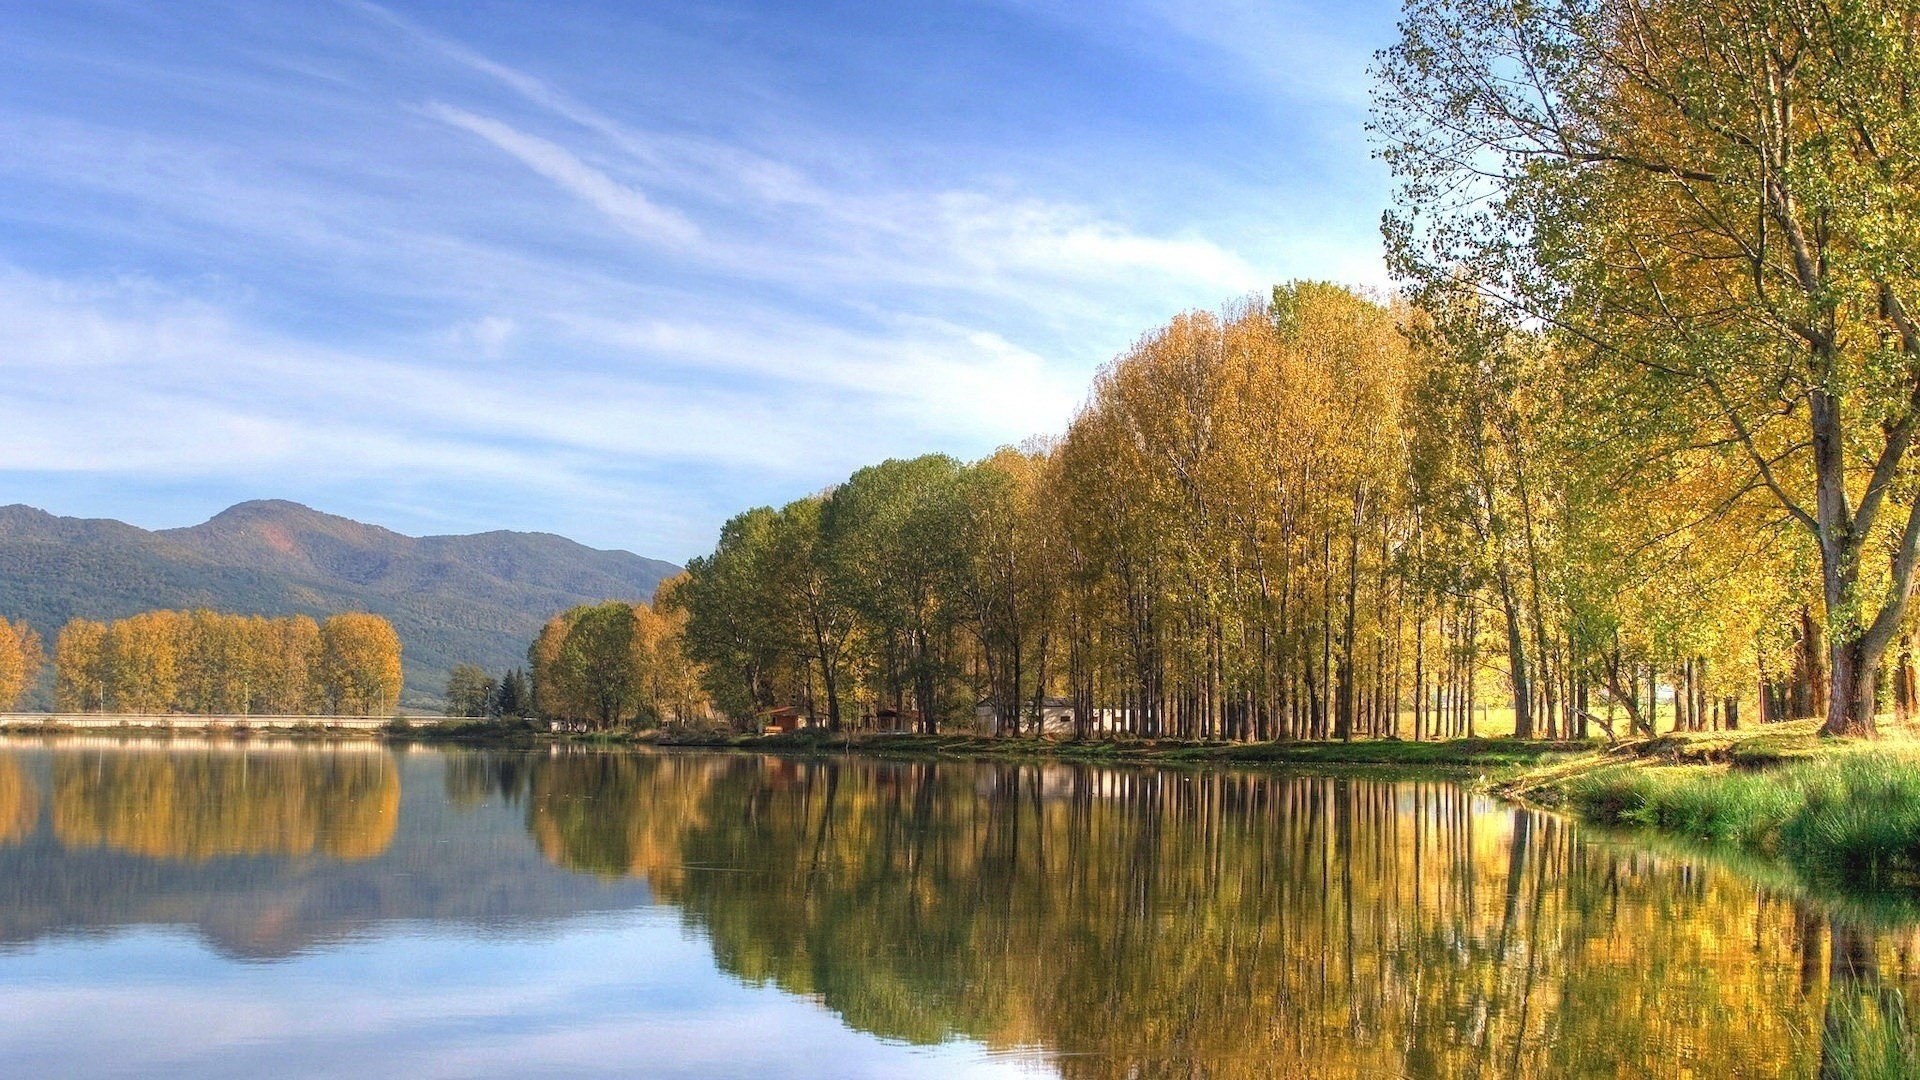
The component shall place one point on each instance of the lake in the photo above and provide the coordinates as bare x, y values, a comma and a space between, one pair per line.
349, 909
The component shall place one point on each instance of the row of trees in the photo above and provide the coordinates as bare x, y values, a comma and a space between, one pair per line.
615, 664
849, 603
1312, 515
471, 692
1707, 210
213, 663
1635, 437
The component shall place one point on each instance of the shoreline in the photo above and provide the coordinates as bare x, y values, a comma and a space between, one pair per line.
1502, 753
1481, 753
1839, 813
1842, 815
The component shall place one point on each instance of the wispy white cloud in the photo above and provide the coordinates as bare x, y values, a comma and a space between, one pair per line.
126, 377
1044, 239
627, 206
948, 235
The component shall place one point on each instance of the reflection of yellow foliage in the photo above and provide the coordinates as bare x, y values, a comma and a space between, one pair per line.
1141, 923
203, 803
19, 803
618, 814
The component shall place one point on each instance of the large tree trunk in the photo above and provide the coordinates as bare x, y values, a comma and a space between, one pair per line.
1854, 647
1850, 695
829, 677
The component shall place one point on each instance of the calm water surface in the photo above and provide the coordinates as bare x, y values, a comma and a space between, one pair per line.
350, 910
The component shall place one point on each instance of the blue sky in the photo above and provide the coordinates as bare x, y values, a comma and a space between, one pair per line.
619, 270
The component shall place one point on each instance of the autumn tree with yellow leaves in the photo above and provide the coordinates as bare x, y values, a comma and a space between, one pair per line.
1314, 514
210, 662
20, 661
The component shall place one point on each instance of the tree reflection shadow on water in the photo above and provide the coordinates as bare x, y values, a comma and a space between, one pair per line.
1154, 923
182, 804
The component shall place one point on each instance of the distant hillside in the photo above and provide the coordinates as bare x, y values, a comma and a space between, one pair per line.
477, 599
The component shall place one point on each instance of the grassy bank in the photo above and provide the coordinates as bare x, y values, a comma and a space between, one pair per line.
1834, 809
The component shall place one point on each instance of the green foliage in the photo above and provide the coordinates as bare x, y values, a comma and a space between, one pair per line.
894, 536
595, 665
1859, 815
735, 624
470, 691
1737, 808
512, 696
615, 664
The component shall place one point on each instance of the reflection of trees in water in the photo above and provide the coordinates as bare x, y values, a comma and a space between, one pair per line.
1166, 923
618, 814
462, 873
197, 804
19, 802
1866, 1030
474, 777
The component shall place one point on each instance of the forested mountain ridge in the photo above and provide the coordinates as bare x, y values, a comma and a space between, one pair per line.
476, 599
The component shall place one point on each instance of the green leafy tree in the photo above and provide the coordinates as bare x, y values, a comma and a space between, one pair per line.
596, 664
470, 691
512, 696
737, 627
894, 531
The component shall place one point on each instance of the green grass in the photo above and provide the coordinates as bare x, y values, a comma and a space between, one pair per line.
1852, 812
1741, 808
1859, 814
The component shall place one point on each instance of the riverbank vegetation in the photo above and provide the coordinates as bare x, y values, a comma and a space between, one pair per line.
208, 662
471, 693
1847, 811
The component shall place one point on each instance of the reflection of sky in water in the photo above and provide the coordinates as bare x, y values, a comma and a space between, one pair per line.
630, 993
302, 910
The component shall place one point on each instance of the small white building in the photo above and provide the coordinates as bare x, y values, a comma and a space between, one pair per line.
1056, 716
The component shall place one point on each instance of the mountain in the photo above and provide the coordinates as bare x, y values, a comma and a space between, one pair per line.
476, 599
